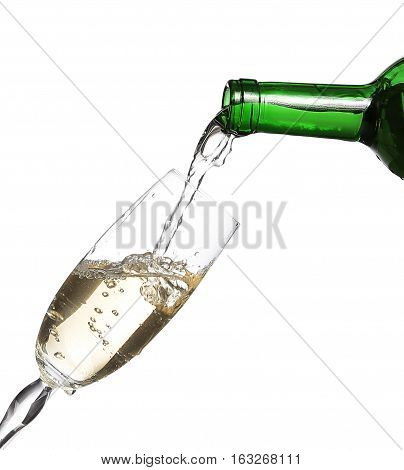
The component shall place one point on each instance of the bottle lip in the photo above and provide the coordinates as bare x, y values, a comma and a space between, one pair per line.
241, 99
226, 96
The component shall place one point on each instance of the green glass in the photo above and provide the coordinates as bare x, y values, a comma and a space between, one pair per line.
372, 114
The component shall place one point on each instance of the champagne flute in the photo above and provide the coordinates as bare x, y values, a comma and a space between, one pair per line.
123, 292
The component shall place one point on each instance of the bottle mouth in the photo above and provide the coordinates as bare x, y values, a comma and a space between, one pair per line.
240, 106
226, 96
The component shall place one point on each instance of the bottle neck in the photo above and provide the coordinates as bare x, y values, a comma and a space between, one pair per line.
329, 111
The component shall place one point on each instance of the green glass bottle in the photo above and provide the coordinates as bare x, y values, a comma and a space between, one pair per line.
372, 114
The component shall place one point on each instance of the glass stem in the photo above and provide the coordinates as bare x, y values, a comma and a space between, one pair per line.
23, 409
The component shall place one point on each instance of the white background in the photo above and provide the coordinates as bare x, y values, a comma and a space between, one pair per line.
228, 375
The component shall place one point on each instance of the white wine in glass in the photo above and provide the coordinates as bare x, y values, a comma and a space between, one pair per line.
121, 294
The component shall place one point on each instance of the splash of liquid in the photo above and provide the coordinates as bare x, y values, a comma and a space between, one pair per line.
212, 150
